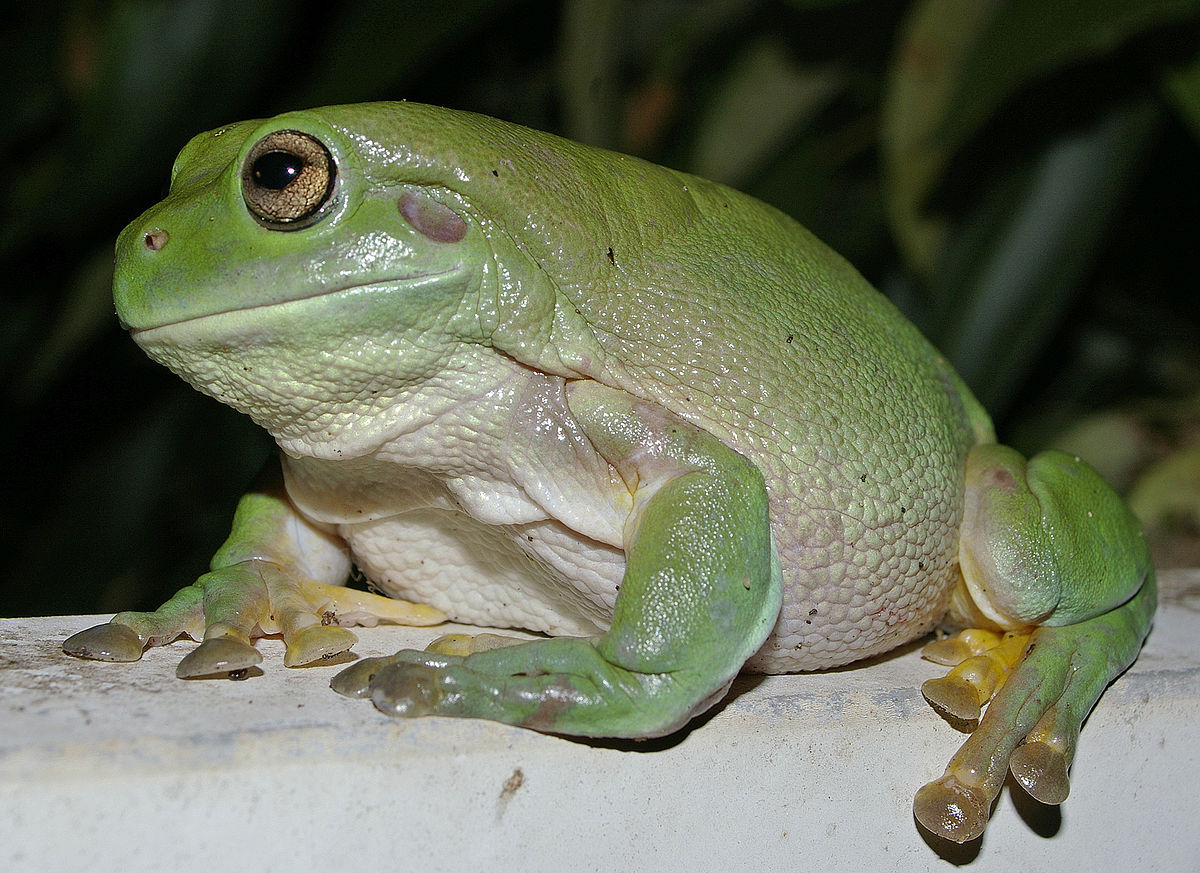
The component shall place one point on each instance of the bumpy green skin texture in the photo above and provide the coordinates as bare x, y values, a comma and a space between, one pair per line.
646, 392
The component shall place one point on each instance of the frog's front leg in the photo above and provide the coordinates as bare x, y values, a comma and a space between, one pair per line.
700, 594
1051, 554
276, 574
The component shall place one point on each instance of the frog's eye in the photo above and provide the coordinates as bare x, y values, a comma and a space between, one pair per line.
287, 178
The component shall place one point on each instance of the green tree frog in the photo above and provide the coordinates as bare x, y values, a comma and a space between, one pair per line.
527, 383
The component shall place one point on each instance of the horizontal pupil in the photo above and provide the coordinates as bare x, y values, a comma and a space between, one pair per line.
277, 170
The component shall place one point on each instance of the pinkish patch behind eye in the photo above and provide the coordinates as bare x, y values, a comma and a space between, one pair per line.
438, 222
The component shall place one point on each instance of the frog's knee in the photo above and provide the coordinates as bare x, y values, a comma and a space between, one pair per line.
1044, 541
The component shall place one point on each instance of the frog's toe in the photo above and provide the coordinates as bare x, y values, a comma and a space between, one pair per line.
105, 642
562, 685
414, 684
405, 685
468, 644
317, 643
355, 680
218, 655
982, 661
128, 634
310, 616
412, 690
951, 809
336, 604
1041, 770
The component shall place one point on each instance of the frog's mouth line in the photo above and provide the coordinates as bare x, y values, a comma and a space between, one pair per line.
415, 281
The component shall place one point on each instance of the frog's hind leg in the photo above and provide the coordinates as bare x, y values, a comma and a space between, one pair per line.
1049, 550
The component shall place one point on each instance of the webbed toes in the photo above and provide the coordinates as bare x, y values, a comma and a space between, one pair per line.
218, 655
952, 809
105, 642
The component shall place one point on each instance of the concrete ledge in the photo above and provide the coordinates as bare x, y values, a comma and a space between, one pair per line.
123, 767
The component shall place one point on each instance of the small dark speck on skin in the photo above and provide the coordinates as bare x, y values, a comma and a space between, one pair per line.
496, 173
862, 478
612, 259
812, 612
790, 337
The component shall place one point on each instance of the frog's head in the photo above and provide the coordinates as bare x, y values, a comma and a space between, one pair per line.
319, 269
303, 274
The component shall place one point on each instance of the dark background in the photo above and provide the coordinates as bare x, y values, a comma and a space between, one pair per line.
1019, 177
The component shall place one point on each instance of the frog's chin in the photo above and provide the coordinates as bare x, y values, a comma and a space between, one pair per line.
313, 370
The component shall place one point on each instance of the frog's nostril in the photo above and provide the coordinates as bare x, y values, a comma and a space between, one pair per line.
155, 239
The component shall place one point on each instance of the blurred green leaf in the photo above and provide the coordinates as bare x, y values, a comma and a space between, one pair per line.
86, 311
959, 60
403, 37
602, 40
764, 100
587, 66
1017, 263
149, 69
1182, 86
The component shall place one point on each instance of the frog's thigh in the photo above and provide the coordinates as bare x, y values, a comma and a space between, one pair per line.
701, 592
1052, 555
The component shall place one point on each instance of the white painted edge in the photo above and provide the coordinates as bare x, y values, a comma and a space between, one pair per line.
122, 767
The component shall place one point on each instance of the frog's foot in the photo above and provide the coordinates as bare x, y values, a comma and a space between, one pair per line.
229, 607
560, 685
1032, 722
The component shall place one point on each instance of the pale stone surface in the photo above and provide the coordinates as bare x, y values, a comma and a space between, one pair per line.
125, 768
